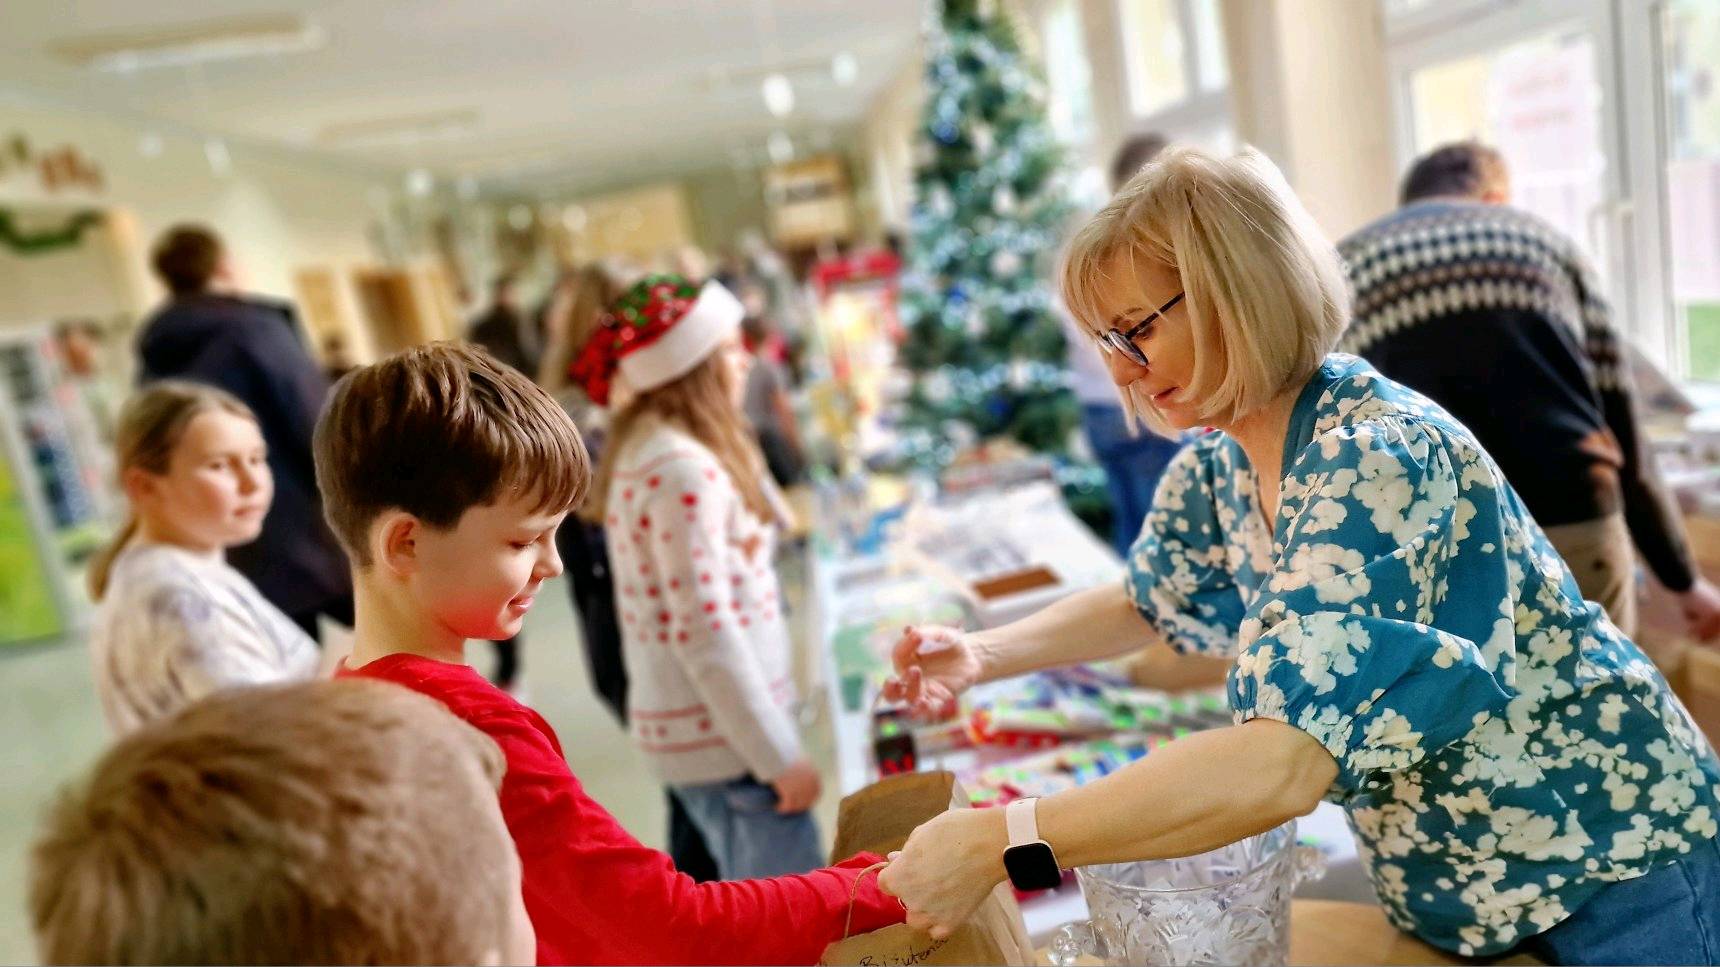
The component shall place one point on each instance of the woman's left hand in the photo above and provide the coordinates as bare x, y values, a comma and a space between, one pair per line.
947, 867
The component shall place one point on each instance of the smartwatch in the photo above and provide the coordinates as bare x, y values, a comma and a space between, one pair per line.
1029, 860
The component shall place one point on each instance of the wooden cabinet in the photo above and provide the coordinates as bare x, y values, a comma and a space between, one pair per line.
408, 306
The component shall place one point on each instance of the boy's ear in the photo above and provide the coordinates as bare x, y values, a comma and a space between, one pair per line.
394, 542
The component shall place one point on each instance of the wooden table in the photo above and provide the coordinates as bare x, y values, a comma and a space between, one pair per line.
1693, 668
1331, 932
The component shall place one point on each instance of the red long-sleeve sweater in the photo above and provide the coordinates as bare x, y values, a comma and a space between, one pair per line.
595, 894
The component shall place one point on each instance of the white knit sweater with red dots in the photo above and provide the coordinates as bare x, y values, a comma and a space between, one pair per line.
702, 630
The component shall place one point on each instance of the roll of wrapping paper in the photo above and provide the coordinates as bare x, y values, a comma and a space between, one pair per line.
1065, 767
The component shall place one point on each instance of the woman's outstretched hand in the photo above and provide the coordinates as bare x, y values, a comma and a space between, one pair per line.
944, 871
934, 665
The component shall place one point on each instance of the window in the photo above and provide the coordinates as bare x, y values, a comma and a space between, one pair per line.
1539, 103
1069, 75
1153, 43
1689, 51
1211, 72
1175, 70
1174, 52
1608, 112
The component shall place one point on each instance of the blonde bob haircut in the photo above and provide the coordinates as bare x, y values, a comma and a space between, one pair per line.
1264, 289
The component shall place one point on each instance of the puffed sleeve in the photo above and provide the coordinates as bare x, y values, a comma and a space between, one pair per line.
1177, 573
1341, 642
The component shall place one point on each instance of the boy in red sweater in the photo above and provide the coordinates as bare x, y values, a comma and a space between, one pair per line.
445, 475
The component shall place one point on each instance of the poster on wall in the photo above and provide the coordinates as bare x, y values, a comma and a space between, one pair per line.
56, 497
809, 202
29, 609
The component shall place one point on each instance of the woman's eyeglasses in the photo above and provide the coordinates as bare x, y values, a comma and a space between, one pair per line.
1114, 340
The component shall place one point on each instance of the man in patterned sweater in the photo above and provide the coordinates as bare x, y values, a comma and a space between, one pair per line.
1496, 316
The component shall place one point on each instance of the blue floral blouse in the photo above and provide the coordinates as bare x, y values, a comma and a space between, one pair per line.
1503, 751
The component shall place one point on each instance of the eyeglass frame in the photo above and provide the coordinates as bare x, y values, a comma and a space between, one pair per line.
1114, 340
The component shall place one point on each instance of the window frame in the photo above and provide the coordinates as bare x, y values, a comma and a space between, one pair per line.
1628, 232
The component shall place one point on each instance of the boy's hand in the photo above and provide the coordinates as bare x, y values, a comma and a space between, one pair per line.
797, 788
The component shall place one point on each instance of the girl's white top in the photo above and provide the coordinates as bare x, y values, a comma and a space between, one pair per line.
175, 626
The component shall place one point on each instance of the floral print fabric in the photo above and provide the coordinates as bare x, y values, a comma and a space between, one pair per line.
1503, 751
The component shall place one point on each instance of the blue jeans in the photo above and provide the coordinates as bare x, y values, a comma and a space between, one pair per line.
1133, 466
746, 834
1668, 916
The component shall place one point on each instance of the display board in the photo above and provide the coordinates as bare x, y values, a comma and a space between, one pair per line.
31, 607
60, 500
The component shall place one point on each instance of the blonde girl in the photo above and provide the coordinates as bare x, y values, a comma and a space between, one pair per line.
689, 517
174, 621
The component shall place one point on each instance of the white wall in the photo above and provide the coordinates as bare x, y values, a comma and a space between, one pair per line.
887, 136
1310, 89
725, 203
276, 211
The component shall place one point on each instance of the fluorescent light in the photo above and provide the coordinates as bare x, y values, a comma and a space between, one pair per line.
220, 162
400, 130
780, 147
845, 68
187, 45
150, 145
419, 182
778, 95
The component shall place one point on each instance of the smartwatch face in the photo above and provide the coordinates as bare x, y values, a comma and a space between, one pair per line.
1032, 866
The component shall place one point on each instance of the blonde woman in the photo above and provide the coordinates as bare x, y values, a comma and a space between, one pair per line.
1407, 643
174, 621
686, 507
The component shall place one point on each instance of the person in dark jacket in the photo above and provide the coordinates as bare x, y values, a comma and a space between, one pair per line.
251, 348
506, 332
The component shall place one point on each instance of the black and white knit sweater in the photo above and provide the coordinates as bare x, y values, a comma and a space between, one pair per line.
1496, 316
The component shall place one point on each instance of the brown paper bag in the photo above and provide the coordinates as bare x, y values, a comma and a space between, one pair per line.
878, 819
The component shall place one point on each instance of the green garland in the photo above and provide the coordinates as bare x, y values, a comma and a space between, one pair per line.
49, 240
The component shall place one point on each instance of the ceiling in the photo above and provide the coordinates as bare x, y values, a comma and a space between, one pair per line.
519, 95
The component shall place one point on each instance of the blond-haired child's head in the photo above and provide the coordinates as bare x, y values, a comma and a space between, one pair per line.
335, 822
446, 473
194, 468
1263, 293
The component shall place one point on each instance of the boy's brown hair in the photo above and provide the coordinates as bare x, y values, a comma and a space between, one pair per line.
333, 822
435, 431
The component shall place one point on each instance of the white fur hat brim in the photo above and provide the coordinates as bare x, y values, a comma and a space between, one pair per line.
713, 318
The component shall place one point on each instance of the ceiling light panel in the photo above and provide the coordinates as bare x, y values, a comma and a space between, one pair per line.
187, 45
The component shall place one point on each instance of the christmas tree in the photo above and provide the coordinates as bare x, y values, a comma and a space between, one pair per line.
983, 344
